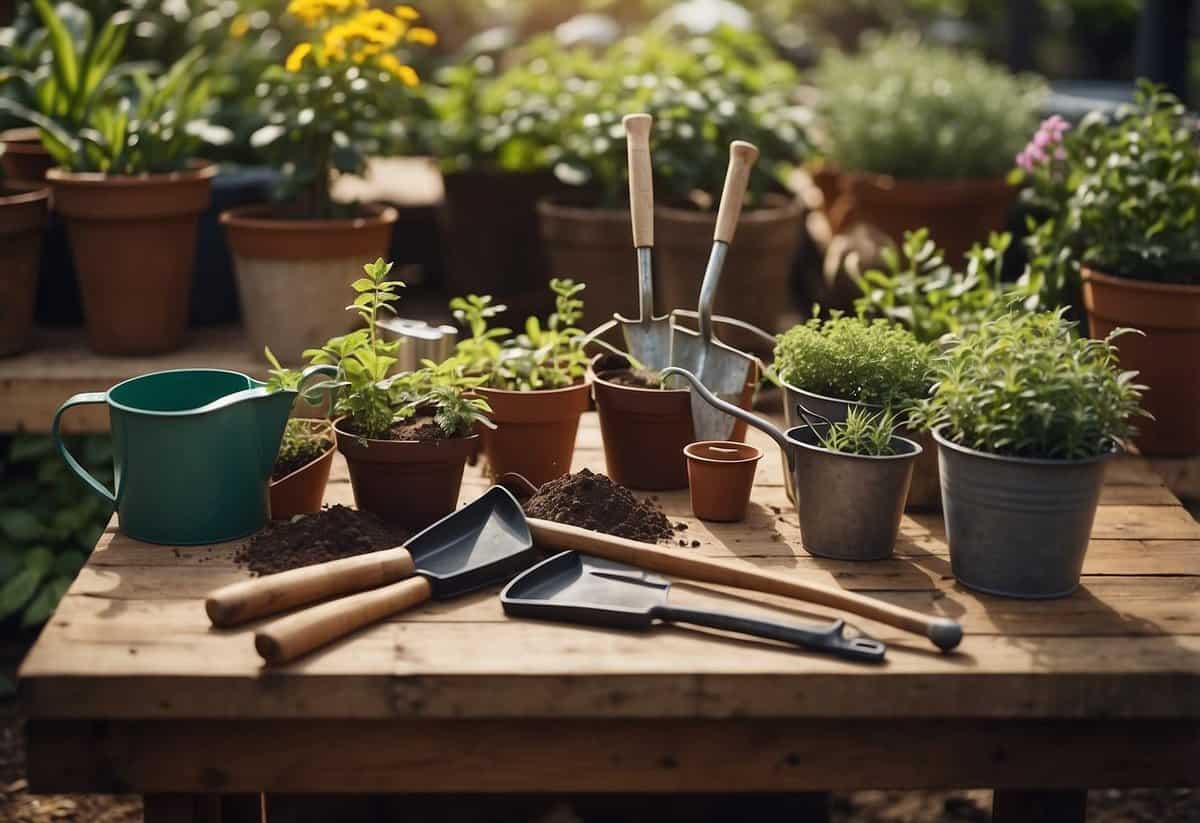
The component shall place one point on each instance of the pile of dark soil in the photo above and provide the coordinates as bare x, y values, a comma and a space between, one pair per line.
592, 501
421, 428
330, 534
636, 378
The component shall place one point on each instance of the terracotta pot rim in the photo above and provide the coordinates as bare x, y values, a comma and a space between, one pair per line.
601, 377
250, 218
944, 442
33, 194
887, 181
1132, 284
198, 170
691, 451
574, 387
553, 207
30, 136
322, 456
785, 208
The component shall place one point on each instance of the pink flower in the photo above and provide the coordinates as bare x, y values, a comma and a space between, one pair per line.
1024, 162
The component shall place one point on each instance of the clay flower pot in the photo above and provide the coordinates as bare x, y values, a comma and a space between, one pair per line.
303, 490
406, 482
535, 431
133, 239
721, 475
292, 275
22, 218
25, 159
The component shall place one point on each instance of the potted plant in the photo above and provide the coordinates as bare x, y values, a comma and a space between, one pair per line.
1026, 416
341, 95
534, 382
922, 136
1119, 199
301, 467
832, 366
405, 436
23, 210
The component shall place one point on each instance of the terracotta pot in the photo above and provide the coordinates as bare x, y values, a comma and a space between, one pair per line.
303, 491
294, 276
721, 476
957, 212
409, 483
25, 159
22, 218
134, 244
756, 281
593, 246
535, 431
1167, 358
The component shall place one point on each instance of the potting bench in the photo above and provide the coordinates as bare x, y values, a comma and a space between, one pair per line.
129, 689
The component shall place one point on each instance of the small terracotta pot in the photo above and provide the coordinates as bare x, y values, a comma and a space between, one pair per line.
22, 218
409, 483
1167, 357
25, 159
293, 275
721, 475
957, 212
134, 244
303, 491
535, 431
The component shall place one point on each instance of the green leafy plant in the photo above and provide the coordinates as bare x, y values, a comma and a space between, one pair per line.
850, 358
901, 108
542, 357
1025, 385
303, 441
862, 432
925, 294
1119, 193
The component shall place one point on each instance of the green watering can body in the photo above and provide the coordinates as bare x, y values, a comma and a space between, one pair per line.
193, 451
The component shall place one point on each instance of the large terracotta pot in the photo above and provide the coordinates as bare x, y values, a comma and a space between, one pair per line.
1167, 357
958, 213
408, 483
25, 159
134, 243
22, 217
293, 275
593, 246
535, 431
756, 281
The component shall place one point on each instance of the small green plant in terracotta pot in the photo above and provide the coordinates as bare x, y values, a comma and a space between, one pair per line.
23, 212
535, 382
302, 468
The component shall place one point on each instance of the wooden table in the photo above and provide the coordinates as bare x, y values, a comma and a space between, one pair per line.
129, 689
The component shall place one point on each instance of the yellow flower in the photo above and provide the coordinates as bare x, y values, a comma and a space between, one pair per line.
424, 36
239, 26
295, 60
406, 74
312, 12
407, 13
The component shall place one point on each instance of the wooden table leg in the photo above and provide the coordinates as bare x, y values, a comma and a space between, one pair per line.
202, 808
1035, 806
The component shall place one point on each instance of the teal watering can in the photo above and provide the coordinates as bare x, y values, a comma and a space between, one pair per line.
193, 451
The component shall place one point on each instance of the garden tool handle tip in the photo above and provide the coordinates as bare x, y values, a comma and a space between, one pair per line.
742, 156
945, 633
641, 179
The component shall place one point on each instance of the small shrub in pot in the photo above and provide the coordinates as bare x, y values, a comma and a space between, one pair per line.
1026, 415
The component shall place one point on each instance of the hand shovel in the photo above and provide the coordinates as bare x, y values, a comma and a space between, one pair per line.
648, 338
723, 369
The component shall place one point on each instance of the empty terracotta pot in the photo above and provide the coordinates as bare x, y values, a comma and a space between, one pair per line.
25, 159
721, 475
535, 431
22, 217
302, 491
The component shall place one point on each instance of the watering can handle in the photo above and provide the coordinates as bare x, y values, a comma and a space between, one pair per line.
84, 398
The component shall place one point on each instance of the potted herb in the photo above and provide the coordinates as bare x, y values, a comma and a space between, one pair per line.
405, 436
341, 95
1120, 199
842, 363
23, 211
534, 382
1026, 416
301, 467
922, 136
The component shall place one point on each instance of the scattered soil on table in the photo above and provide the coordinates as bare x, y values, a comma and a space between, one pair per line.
636, 378
592, 501
330, 534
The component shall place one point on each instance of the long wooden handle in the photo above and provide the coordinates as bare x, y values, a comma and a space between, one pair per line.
289, 637
742, 156
239, 602
944, 633
641, 178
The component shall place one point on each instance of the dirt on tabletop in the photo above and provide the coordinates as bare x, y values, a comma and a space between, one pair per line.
592, 501
330, 534
636, 378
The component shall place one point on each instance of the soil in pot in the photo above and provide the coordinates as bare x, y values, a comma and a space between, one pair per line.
22, 218
25, 159
330, 534
133, 240
301, 468
593, 501
535, 431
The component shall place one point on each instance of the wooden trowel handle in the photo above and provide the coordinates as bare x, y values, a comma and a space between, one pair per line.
944, 633
641, 178
289, 637
239, 602
742, 156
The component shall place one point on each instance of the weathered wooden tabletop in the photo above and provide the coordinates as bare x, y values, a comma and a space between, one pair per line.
129, 688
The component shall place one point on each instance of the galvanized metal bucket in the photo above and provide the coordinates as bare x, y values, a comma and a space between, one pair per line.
1018, 527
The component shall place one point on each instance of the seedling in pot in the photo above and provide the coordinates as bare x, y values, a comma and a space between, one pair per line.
303, 442
862, 432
